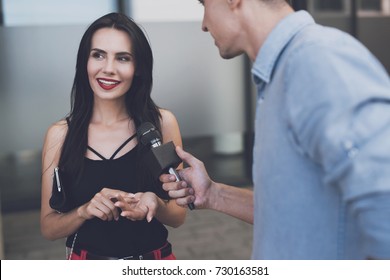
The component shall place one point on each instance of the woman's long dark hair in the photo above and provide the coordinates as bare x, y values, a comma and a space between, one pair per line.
139, 103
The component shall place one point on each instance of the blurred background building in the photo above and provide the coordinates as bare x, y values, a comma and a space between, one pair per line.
213, 99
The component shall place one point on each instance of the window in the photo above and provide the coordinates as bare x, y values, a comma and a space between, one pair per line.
167, 10
53, 12
329, 5
374, 7
370, 5
343, 7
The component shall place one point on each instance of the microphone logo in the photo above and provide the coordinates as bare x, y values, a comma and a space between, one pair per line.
147, 134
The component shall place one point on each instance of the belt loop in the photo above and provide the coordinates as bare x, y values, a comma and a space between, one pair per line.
157, 254
83, 255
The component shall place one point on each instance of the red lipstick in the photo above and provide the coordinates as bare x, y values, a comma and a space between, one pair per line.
107, 84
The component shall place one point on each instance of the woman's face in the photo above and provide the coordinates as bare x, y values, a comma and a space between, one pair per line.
111, 64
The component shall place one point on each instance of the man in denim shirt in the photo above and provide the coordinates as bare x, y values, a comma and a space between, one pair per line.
321, 166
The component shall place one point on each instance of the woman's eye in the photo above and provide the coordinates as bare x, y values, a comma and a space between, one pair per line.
124, 58
97, 55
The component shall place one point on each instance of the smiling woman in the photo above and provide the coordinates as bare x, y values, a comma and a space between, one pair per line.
98, 155
110, 64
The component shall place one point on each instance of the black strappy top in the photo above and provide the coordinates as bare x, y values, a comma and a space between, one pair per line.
117, 150
124, 237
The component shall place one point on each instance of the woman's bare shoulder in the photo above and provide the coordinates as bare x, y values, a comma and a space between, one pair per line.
167, 118
56, 133
54, 140
170, 127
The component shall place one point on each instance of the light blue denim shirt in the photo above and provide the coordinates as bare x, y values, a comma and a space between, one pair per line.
322, 146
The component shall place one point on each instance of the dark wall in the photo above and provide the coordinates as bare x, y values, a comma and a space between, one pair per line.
373, 32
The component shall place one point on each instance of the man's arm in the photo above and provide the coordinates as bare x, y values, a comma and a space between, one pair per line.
373, 214
197, 187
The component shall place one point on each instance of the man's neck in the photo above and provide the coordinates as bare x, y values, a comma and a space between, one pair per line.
259, 20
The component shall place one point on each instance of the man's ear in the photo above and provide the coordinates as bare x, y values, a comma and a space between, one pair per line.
234, 3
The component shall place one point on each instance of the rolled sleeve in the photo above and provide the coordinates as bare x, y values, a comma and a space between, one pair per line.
373, 215
340, 117
342, 122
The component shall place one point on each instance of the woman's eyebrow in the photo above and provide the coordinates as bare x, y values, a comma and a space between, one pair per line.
124, 53
98, 50
118, 53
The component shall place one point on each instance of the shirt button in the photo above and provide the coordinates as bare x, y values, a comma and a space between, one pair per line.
350, 148
261, 99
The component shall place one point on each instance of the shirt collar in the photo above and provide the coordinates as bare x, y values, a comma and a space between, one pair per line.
275, 42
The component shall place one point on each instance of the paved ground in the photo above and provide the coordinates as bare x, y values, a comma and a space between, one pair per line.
206, 235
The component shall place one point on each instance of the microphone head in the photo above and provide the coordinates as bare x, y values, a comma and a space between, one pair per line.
148, 134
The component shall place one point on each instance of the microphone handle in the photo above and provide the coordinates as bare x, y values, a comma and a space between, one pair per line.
174, 172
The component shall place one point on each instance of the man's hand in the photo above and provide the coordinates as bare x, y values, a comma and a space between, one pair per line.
195, 176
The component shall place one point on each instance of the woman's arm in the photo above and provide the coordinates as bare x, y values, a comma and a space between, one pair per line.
53, 224
56, 225
169, 212
148, 205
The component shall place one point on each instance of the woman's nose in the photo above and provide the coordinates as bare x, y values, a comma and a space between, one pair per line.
109, 67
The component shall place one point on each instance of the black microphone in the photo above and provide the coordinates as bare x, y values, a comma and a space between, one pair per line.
161, 158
